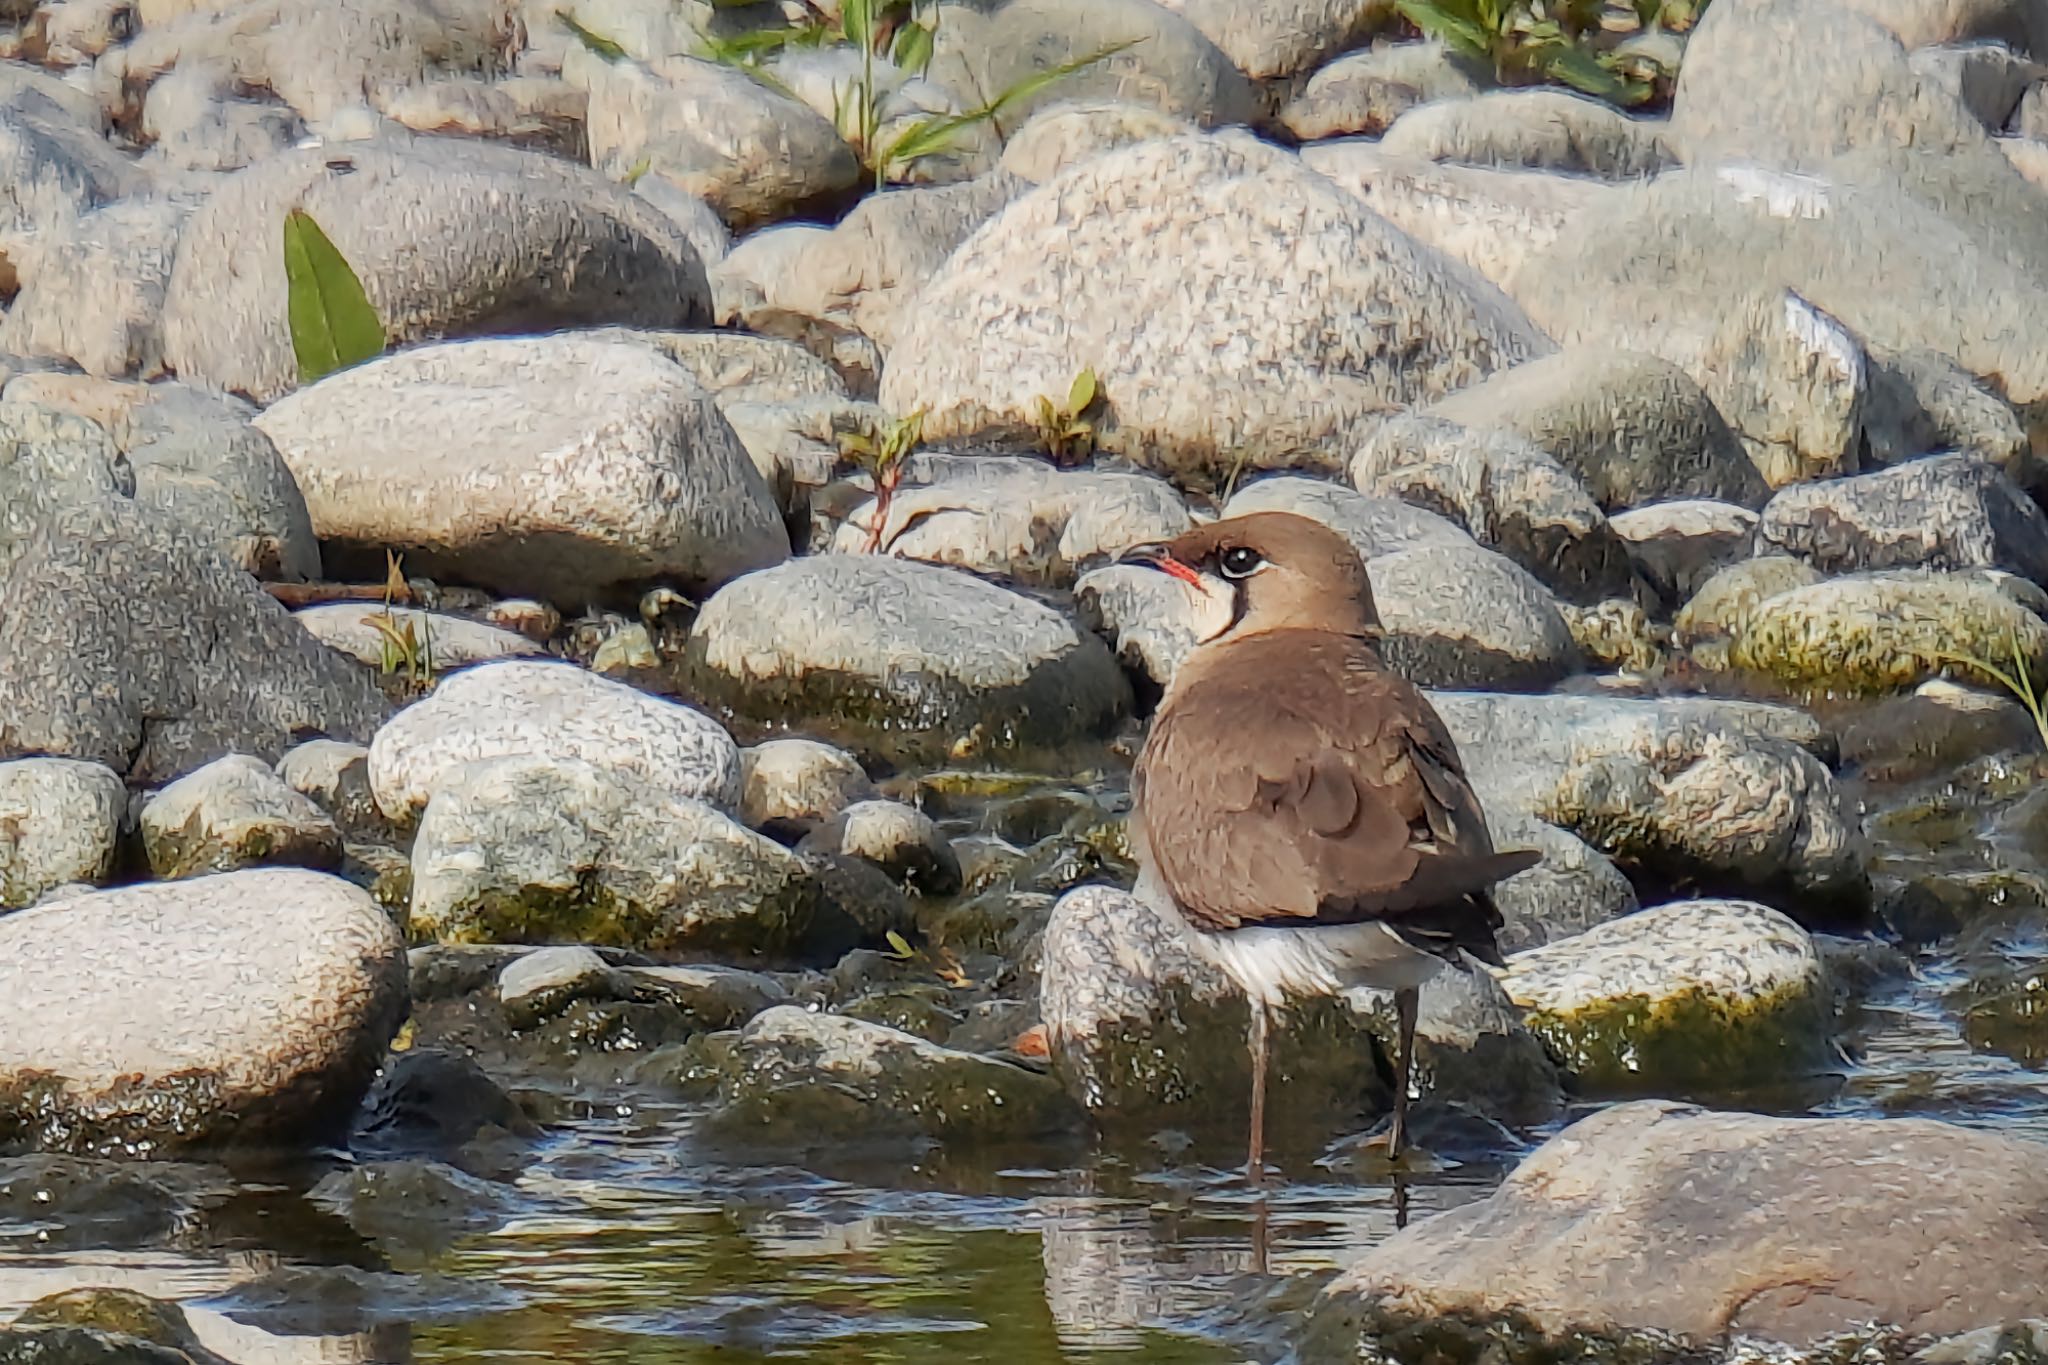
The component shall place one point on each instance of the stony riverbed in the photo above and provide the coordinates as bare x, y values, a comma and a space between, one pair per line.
599, 832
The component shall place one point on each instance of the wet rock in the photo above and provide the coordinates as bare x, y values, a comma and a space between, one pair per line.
1792, 382
1510, 495
203, 661
1375, 523
434, 227
87, 1203
1364, 92
1921, 401
1879, 632
235, 812
555, 711
801, 1079
1695, 994
1680, 545
336, 777
430, 1100
1608, 1232
901, 656
754, 154
60, 822
1492, 220
799, 781
1546, 129
444, 643
901, 840
1063, 134
1162, 212
1633, 428
91, 290
540, 848
558, 466
257, 1007
1937, 728
1573, 889
1722, 606
1943, 512
414, 1204
78, 1324
1146, 1033
1467, 617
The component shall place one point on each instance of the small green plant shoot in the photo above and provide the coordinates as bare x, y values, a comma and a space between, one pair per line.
1540, 40
404, 648
332, 323
1067, 430
883, 456
2016, 679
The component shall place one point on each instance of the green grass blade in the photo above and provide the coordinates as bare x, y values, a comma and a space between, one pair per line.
913, 51
596, 43
333, 325
1039, 81
1577, 68
1461, 34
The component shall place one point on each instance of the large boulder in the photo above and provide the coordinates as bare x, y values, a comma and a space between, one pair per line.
902, 657
1546, 129
1653, 1221
90, 290
1943, 512
1322, 314
235, 812
247, 1009
563, 467
63, 823
449, 237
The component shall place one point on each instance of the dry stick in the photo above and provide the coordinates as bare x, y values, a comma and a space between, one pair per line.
312, 594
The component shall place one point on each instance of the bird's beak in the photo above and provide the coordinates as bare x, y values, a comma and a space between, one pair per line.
1158, 556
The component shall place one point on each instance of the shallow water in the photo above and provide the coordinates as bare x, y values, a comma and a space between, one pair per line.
623, 1243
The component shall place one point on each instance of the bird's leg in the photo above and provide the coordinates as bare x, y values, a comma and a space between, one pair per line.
1406, 1004
1255, 1164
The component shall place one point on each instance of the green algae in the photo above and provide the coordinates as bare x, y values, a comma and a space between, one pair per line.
1695, 1038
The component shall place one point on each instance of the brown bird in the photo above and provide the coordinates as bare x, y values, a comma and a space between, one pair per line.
1302, 807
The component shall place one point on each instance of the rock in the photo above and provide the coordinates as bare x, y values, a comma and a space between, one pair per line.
1935, 729
414, 1204
256, 1007
1879, 632
1917, 25
1376, 524
235, 812
432, 1100
60, 821
1364, 92
1986, 78
539, 848
555, 466
90, 1325
1680, 545
193, 122
1615, 635
1633, 428
539, 985
91, 290
1128, 243
1467, 617
336, 778
1064, 134
754, 154
1701, 993
445, 643
1268, 41
799, 781
128, 643
1603, 1234
1791, 380
1148, 618
901, 656
901, 840
1921, 401
56, 171
736, 368
1942, 512
200, 460
799, 1079
1722, 606
1573, 889
552, 711
434, 228
1510, 495
1545, 129
1145, 1033
1170, 65
1492, 220
53, 459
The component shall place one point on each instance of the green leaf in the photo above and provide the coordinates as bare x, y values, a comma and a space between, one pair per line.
1461, 34
1577, 68
595, 42
857, 22
913, 50
1082, 393
899, 946
636, 172
333, 325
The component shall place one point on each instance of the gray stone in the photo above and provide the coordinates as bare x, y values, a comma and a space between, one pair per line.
799, 781
1634, 428
803, 1079
1661, 1223
901, 840
1942, 512
1921, 401
254, 1009
60, 823
754, 154
1679, 545
91, 289
553, 711
1708, 993
1459, 616
1509, 494
736, 368
1146, 616
1573, 889
1986, 78
1792, 382
193, 121
1376, 524
1916, 24
131, 643
559, 466
1064, 134
1935, 729
1541, 129
336, 778
538, 848
1616, 635
1324, 315
447, 235
901, 656
235, 812
699, 223
49, 459
1269, 39
53, 170
444, 643
1721, 607
1364, 92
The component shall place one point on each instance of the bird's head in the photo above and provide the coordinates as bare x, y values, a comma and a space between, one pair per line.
1267, 571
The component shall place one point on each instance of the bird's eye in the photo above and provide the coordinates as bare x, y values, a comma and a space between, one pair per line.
1240, 561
